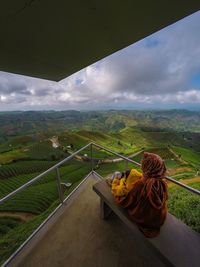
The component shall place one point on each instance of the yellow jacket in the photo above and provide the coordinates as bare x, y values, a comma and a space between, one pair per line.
120, 187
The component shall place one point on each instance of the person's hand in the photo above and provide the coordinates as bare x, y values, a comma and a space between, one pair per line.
109, 181
117, 175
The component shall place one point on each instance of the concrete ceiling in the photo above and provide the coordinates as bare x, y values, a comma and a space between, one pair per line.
53, 39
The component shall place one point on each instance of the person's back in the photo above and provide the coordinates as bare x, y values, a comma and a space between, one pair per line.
146, 200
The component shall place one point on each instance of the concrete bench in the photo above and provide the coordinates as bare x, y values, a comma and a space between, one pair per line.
177, 244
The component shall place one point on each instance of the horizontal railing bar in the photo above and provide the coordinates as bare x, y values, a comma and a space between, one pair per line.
77, 187
116, 154
21, 188
44, 222
98, 175
193, 190
32, 235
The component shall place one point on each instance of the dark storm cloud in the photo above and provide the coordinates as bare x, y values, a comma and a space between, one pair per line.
22, 89
12, 84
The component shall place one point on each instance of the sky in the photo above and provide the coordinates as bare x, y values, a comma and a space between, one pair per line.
161, 71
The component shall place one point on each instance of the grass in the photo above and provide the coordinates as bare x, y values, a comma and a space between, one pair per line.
185, 206
133, 136
170, 163
109, 140
183, 175
35, 199
16, 236
9, 185
39, 196
42, 197
45, 151
8, 223
188, 155
97, 153
163, 152
106, 169
67, 138
17, 143
24, 167
13, 238
9, 156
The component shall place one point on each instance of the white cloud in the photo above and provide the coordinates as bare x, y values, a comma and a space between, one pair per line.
2, 98
157, 69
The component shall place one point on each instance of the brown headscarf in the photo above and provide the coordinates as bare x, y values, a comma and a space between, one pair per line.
146, 201
154, 170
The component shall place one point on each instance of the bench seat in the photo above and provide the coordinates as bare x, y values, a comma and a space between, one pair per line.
177, 244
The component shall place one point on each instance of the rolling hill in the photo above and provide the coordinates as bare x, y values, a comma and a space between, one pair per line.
26, 149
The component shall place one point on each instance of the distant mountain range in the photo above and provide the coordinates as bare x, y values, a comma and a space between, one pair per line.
29, 122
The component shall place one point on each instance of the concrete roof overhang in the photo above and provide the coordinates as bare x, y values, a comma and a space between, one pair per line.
54, 39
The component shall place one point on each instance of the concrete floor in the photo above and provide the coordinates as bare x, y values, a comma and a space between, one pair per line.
79, 238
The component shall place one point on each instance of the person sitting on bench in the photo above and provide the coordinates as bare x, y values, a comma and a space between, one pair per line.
122, 182
145, 198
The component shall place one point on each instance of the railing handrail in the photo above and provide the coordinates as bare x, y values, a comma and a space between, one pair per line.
193, 190
115, 153
38, 177
21, 188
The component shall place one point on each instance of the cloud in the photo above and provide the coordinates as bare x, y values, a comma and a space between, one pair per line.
12, 84
157, 69
164, 67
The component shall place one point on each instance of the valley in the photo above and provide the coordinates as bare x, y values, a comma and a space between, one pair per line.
32, 142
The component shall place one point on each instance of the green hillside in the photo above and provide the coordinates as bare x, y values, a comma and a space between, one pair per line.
185, 205
26, 150
188, 155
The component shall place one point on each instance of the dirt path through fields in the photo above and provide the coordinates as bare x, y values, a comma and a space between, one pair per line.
86, 158
24, 216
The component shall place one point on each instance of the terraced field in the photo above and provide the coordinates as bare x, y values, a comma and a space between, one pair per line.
188, 155
164, 152
23, 162
46, 187
38, 199
14, 236
45, 151
185, 205
24, 167
17, 143
35, 199
109, 168
13, 155
6, 224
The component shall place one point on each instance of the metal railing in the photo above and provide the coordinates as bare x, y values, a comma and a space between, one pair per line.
193, 190
90, 145
55, 167
60, 192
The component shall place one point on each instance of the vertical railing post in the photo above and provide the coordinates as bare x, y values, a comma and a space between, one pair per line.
91, 156
59, 185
